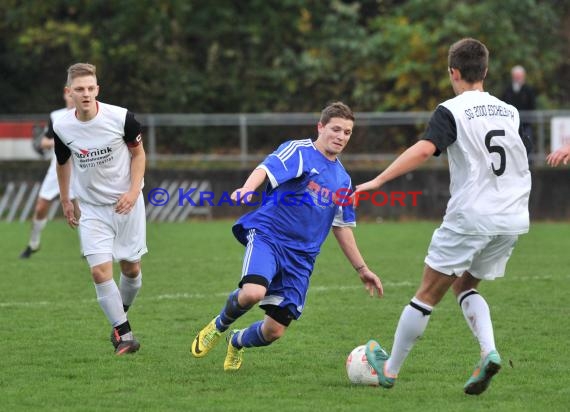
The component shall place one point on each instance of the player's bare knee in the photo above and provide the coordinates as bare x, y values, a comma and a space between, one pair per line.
464, 283
101, 273
130, 269
251, 293
273, 330
42, 208
249, 297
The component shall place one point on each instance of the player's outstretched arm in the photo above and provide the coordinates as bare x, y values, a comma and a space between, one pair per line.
413, 157
561, 155
347, 242
255, 179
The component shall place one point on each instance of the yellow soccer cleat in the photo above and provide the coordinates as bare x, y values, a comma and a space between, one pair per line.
206, 340
234, 356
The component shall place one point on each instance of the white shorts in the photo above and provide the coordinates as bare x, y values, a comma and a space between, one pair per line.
483, 256
103, 231
50, 186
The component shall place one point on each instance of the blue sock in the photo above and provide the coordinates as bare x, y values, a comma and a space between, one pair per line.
250, 337
230, 312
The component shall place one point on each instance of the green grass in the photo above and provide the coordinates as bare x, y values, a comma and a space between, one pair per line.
55, 353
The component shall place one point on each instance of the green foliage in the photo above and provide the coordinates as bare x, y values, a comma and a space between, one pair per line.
259, 56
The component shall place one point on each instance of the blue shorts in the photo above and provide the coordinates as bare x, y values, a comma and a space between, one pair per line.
286, 271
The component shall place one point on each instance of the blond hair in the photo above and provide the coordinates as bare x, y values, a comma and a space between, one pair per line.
80, 70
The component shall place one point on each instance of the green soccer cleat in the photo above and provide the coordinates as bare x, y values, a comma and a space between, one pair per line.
206, 339
485, 370
377, 357
234, 356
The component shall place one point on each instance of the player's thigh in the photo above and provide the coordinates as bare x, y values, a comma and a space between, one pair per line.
492, 261
96, 230
49, 189
130, 237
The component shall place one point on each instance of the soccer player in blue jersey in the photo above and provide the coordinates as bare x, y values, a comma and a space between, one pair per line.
284, 235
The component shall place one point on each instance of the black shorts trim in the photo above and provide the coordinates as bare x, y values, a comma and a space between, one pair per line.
279, 314
255, 279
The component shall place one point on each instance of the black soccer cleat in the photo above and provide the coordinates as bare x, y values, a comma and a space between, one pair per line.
28, 251
127, 346
115, 338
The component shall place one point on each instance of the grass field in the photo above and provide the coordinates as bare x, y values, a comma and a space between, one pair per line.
55, 354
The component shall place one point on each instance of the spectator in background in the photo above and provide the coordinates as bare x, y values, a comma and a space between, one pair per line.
49, 189
520, 95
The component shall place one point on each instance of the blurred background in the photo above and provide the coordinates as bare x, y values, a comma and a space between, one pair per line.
219, 84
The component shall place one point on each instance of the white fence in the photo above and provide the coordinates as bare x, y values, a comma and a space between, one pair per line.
243, 122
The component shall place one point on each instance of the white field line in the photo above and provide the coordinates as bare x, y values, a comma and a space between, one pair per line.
196, 296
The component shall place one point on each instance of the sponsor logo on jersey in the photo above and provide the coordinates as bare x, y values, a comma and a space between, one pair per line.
91, 153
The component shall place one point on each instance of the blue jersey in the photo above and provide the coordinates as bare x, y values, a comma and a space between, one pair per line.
306, 195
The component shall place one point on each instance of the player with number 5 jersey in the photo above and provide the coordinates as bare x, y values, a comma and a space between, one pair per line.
488, 209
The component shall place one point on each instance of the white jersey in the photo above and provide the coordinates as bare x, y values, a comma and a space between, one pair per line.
50, 189
488, 164
99, 152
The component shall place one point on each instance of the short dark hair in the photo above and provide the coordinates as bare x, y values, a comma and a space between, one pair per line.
336, 109
471, 58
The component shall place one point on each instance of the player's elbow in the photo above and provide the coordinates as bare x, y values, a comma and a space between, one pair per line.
425, 149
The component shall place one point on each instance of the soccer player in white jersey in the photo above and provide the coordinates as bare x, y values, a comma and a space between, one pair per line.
103, 145
284, 235
49, 189
488, 209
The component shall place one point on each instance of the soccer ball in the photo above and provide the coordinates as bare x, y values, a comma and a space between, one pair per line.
359, 370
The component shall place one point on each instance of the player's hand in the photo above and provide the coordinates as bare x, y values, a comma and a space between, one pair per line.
69, 213
371, 282
242, 195
126, 203
558, 156
361, 189
367, 186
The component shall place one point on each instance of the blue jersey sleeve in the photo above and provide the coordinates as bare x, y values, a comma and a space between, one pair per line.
286, 162
345, 215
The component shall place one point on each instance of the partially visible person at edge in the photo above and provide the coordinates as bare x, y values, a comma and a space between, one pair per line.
487, 211
562, 155
49, 189
103, 145
284, 235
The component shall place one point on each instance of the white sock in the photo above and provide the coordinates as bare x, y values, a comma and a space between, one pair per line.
129, 288
110, 301
37, 227
412, 324
478, 316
